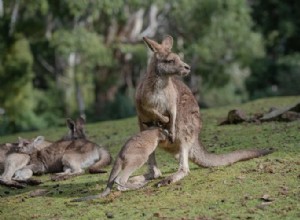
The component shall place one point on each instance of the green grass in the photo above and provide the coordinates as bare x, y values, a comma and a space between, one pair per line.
232, 192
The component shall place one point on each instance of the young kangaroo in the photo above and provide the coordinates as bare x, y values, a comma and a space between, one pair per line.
155, 100
132, 156
67, 158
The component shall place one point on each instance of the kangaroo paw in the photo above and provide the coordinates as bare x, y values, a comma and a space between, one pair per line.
171, 138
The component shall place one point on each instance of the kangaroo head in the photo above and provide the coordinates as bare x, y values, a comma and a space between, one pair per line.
76, 129
163, 134
28, 147
166, 63
22, 142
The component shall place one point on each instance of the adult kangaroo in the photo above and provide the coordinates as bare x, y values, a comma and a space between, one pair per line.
162, 97
65, 158
16, 156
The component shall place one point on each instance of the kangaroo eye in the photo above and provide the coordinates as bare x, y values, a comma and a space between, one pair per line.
169, 61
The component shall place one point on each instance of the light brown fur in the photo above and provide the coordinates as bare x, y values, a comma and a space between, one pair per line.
61, 154
15, 156
154, 101
15, 160
67, 158
132, 156
9, 148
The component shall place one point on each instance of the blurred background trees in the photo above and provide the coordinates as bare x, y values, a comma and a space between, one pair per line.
62, 58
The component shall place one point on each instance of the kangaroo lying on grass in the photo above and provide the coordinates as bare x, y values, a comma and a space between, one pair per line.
8, 148
76, 131
16, 160
15, 156
71, 157
155, 97
132, 156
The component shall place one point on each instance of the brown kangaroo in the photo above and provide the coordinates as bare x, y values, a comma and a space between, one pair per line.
16, 155
16, 160
71, 157
8, 148
155, 97
132, 156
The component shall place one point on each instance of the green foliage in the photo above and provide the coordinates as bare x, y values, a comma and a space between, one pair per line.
121, 107
80, 55
16, 86
276, 73
218, 36
289, 74
89, 46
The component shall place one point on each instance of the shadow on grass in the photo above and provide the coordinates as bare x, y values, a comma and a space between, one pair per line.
77, 186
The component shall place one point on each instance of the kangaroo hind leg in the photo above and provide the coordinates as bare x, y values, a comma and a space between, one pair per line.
183, 169
122, 179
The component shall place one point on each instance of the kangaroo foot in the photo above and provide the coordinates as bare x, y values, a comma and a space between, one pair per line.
94, 171
31, 182
172, 179
164, 182
145, 178
131, 186
12, 184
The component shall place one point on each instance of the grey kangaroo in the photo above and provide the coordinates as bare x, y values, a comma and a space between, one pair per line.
71, 157
16, 155
155, 102
17, 160
9, 148
132, 156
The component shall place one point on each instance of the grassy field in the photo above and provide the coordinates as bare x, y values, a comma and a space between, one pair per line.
262, 188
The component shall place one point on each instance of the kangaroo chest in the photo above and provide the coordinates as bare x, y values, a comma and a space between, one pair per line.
161, 99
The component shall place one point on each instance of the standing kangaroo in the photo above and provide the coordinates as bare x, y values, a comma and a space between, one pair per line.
161, 95
71, 157
132, 156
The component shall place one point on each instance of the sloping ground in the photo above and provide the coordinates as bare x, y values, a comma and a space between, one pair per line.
262, 188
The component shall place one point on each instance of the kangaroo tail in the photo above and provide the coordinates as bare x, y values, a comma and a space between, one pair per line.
87, 198
201, 157
105, 160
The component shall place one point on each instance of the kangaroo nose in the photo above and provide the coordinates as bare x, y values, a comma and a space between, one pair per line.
187, 67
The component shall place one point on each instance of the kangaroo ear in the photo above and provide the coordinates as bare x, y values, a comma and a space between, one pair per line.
38, 140
80, 121
23, 141
70, 124
167, 43
154, 46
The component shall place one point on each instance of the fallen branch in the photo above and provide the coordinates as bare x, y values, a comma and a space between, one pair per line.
287, 114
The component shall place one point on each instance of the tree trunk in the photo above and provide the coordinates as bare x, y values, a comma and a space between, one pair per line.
1, 9
14, 16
